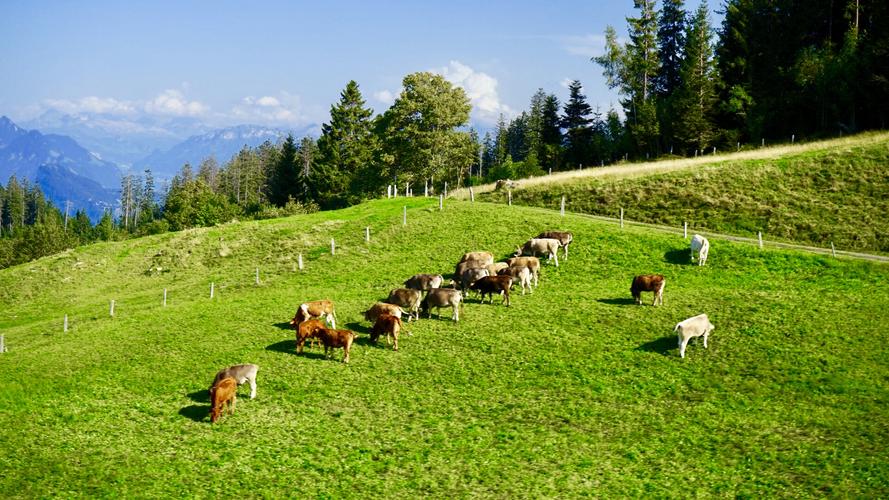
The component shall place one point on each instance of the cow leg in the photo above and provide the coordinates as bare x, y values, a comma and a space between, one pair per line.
232, 406
705, 339
252, 388
556, 257
682, 343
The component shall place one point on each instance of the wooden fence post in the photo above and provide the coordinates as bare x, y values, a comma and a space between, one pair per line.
685, 230
426, 188
833, 250
509, 196
165, 297
65, 327
395, 191
2, 343
257, 275
388, 191
471, 195
111, 311
212, 289
562, 210
621, 218
441, 201
404, 217
367, 234
299, 260
332, 247
759, 236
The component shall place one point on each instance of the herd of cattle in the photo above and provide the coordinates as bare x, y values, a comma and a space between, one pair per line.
476, 271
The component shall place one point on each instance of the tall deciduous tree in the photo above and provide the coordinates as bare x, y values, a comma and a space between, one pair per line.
420, 133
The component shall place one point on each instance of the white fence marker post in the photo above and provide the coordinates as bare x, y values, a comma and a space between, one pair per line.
714, 149
388, 191
759, 235
833, 250
367, 234
550, 170
212, 287
332, 247
111, 312
446, 188
685, 230
257, 275
621, 218
395, 191
299, 260
404, 217
426, 189
65, 328
792, 138
562, 210
509, 196
440, 201
739, 146
2, 343
165, 297
763, 143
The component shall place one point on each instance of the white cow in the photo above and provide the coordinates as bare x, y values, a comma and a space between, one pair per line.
540, 246
696, 326
701, 246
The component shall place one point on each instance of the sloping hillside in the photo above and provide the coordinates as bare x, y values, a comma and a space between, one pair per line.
830, 191
571, 391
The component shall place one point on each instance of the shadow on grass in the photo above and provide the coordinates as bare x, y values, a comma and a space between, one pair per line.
661, 346
202, 396
358, 328
678, 256
284, 326
197, 413
624, 301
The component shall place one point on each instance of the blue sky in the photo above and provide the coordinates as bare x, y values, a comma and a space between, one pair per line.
285, 63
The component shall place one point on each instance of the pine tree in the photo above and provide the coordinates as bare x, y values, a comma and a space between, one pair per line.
550, 134
671, 43
287, 181
696, 100
576, 122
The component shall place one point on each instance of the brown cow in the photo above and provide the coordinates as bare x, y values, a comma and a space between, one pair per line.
388, 325
495, 268
220, 394
649, 283
467, 264
407, 298
307, 330
532, 263
486, 257
490, 285
241, 374
442, 297
333, 339
424, 282
315, 309
520, 275
382, 308
469, 276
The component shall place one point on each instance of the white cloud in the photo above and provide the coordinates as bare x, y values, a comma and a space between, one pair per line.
566, 82
173, 102
386, 97
286, 109
481, 89
92, 104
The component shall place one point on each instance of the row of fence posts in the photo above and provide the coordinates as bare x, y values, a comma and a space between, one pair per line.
392, 190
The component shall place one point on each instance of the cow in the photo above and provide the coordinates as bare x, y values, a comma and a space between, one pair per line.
648, 283
532, 263
225, 391
387, 325
494, 269
696, 326
486, 257
565, 238
700, 246
307, 330
469, 264
442, 297
408, 299
332, 339
520, 275
490, 285
315, 309
540, 246
241, 374
505, 183
469, 276
382, 308
424, 282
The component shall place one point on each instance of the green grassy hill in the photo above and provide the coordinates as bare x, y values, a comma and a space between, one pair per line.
572, 391
814, 194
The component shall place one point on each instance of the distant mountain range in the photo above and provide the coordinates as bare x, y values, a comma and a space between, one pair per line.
87, 177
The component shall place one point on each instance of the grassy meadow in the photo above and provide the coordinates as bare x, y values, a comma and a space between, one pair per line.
573, 390
832, 191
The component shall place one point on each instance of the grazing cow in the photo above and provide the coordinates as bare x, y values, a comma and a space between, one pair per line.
648, 283
520, 275
700, 246
540, 246
485, 257
532, 263
387, 325
494, 269
490, 285
241, 374
695, 326
469, 276
307, 330
424, 282
315, 309
442, 297
565, 238
469, 264
332, 339
407, 298
505, 183
225, 391
382, 308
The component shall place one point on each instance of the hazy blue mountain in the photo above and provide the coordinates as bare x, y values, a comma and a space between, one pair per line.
62, 168
122, 140
221, 144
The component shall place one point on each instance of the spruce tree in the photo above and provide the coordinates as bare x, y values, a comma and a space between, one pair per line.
287, 181
696, 99
576, 122
550, 134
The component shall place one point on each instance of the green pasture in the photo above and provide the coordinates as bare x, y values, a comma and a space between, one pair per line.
838, 193
572, 391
